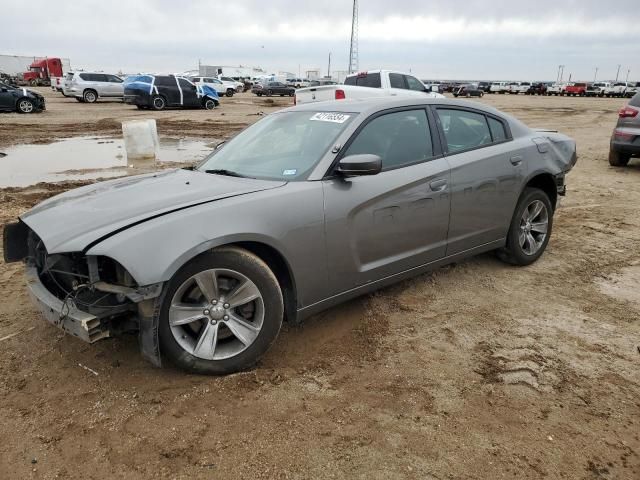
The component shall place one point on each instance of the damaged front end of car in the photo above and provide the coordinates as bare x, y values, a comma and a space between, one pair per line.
90, 297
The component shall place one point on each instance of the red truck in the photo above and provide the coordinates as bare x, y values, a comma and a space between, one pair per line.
576, 89
41, 72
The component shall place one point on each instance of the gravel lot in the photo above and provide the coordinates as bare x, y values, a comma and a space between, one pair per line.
477, 371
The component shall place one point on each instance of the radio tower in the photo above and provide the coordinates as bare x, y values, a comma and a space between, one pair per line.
353, 50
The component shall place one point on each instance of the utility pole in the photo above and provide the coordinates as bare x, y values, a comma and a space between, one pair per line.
618, 72
560, 73
595, 76
329, 67
628, 72
353, 49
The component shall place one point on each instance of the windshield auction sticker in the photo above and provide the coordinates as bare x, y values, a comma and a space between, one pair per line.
333, 117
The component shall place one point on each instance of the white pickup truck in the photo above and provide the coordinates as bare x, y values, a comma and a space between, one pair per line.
618, 89
374, 83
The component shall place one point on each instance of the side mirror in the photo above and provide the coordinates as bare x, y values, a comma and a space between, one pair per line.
357, 165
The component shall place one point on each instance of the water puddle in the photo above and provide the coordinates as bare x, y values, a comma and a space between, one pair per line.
81, 158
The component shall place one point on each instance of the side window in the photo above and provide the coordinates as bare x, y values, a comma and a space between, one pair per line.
414, 84
398, 138
99, 77
463, 129
84, 76
185, 84
114, 79
396, 80
498, 131
165, 82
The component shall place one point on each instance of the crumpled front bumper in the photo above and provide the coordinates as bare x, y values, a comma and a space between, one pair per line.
64, 315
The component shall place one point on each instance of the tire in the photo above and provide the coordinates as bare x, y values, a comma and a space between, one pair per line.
230, 92
25, 105
209, 104
269, 93
291, 94
618, 159
158, 102
524, 243
33, 83
259, 322
90, 96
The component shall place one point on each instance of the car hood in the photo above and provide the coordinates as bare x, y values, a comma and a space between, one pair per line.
81, 217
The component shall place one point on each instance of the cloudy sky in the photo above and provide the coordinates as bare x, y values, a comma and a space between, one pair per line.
440, 39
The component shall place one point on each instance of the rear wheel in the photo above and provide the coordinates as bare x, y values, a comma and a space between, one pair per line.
159, 103
90, 96
530, 228
617, 159
230, 92
25, 106
220, 313
209, 104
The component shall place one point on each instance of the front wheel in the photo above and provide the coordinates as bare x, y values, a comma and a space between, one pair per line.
530, 228
90, 96
220, 313
230, 92
617, 159
209, 104
25, 106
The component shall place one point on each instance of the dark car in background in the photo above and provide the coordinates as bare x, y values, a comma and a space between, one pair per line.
484, 86
468, 90
158, 92
21, 100
625, 140
536, 88
273, 88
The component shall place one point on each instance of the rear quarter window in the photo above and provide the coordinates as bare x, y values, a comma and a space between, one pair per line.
371, 80
498, 132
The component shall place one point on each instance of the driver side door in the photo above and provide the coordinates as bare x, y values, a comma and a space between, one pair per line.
381, 225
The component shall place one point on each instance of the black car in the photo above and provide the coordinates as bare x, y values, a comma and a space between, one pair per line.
161, 91
484, 86
469, 90
538, 88
273, 88
21, 100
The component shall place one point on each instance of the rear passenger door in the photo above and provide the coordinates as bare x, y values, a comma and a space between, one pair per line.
380, 225
168, 88
486, 176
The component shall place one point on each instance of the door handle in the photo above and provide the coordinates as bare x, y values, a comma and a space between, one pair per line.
515, 161
438, 185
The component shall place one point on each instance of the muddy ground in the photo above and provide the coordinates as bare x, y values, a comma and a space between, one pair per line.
477, 371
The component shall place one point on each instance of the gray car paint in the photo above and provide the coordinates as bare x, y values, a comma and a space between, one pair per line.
153, 225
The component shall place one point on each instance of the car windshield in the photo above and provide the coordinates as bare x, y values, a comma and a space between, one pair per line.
282, 146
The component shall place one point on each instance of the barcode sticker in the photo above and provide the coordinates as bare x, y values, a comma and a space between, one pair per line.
330, 117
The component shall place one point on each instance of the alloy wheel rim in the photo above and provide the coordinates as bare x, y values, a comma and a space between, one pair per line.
26, 106
216, 314
90, 97
534, 225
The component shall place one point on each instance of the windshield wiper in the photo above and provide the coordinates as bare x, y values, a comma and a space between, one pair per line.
228, 173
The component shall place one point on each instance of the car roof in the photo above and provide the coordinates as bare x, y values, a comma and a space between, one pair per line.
372, 105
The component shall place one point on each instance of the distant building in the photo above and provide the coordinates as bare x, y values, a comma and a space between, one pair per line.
239, 71
313, 74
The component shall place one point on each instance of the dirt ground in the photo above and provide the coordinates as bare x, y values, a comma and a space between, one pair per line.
477, 371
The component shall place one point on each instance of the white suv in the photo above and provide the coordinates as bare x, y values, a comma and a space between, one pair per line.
223, 88
239, 86
89, 87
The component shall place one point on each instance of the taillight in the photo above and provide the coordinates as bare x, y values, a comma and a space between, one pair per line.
627, 112
620, 135
340, 95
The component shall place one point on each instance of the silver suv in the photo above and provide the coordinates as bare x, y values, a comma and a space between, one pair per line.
89, 87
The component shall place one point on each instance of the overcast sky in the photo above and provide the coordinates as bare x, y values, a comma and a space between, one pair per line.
470, 39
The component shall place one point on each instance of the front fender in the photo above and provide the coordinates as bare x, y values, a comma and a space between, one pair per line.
290, 220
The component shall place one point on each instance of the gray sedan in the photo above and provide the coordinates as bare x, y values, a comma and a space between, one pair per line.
305, 209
